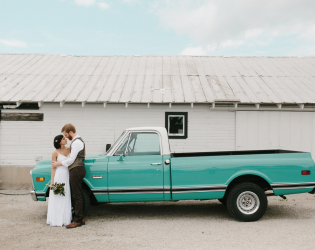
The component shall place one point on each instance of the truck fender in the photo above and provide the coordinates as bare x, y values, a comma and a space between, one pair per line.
247, 177
87, 183
248, 172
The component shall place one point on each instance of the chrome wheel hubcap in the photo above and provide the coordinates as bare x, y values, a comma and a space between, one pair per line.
248, 202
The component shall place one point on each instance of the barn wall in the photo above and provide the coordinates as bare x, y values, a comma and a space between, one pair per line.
275, 130
23, 143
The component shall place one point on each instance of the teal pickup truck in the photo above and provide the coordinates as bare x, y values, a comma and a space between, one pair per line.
139, 167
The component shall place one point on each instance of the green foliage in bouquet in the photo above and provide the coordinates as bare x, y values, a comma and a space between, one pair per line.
58, 188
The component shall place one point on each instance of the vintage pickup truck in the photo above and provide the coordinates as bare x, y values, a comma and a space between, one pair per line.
139, 167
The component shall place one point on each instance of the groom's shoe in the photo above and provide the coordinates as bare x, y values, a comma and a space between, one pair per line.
82, 222
74, 225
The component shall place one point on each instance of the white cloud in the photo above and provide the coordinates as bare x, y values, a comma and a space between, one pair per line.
85, 2
232, 43
131, 1
13, 43
103, 5
237, 23
194, 51
88, 3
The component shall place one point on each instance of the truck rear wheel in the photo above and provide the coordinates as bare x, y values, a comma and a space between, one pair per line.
247, 202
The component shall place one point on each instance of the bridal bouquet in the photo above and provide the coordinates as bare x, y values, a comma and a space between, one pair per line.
58, 188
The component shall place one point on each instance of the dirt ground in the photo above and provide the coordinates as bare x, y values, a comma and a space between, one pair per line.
173, 225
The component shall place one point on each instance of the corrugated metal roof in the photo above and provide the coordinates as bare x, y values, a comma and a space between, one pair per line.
156, 79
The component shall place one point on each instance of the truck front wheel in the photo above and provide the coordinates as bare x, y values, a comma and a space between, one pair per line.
223, 200
247, 202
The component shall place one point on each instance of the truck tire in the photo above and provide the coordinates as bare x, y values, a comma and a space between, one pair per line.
223, 200
247, 202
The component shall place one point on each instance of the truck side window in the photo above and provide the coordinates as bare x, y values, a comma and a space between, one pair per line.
143, 143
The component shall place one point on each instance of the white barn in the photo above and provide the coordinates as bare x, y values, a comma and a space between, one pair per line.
207, 103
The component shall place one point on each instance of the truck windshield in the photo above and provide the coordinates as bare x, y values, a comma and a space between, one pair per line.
115, 142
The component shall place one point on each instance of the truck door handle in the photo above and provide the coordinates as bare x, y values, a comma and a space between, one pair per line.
156, 163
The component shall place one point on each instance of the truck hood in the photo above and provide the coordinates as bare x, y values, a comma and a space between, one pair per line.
90, 158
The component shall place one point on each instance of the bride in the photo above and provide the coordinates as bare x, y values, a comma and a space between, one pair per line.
59, 207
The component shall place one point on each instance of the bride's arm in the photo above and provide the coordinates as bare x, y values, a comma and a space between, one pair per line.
53, 170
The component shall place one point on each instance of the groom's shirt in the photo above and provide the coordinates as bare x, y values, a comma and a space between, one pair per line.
76, 147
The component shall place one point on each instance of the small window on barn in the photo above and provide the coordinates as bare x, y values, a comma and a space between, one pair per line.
176, 124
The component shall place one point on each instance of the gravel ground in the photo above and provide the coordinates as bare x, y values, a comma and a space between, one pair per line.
172, 225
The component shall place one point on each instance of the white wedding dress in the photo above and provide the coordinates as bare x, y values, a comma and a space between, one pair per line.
59, 206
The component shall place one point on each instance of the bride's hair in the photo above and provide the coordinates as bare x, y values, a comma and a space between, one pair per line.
57, 141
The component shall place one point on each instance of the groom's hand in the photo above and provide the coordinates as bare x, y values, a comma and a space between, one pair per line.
55, 164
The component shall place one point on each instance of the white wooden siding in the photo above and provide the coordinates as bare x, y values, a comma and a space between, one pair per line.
275, 130
23, 143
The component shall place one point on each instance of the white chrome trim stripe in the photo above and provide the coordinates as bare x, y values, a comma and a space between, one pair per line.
177, 187
301, 183
137, 193
199, 191
294, 187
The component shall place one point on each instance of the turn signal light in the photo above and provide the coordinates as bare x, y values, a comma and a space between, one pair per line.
306, 172
40, 178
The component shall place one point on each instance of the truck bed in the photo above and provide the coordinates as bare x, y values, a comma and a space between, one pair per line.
222, 153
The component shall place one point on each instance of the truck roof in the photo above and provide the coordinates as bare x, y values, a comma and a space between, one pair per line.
160, 129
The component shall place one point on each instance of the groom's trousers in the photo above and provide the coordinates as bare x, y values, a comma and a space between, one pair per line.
76, 176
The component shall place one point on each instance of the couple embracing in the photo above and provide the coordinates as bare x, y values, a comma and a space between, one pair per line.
68, 168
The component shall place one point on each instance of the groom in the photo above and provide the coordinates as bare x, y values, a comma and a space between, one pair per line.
75, 164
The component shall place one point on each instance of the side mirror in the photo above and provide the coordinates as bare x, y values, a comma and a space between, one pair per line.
108, 146
121, 158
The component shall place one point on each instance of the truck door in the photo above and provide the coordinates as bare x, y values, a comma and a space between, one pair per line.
135, 171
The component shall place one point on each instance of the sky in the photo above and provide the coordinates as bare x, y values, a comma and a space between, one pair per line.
158, 27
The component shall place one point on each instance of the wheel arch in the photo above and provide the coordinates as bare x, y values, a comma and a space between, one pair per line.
85, 184
259, 180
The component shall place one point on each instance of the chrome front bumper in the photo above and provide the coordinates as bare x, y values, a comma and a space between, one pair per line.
35, 196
